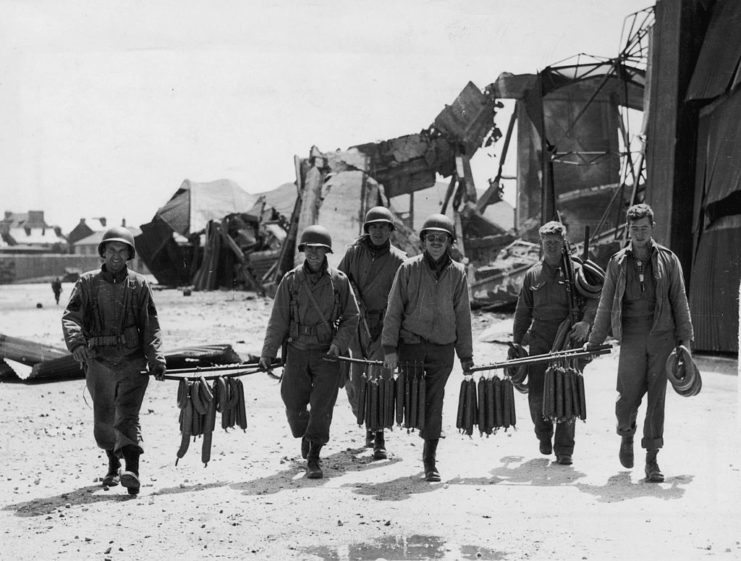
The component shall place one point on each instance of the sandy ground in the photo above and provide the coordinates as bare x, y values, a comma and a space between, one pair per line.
499, 499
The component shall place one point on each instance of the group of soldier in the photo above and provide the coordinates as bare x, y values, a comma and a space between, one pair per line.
380, 306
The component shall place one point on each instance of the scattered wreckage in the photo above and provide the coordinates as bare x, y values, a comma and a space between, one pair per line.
576, 161
52, 364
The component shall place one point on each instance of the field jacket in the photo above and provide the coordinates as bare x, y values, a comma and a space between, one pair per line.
543, 303
295, 319
423, 308
115, 316
371, 273
672, 311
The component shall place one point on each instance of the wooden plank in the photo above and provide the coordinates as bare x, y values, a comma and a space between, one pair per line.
27, 352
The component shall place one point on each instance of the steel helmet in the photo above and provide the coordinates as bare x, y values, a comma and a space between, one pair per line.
437, 223
378, 215
117, 234
316, 235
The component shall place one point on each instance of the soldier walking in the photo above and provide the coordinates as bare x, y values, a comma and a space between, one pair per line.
315, 313
56, 288
111, 327
428, 321
370, 264
542, 306
645, 303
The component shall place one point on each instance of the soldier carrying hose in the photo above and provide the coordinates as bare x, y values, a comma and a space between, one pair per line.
645, 303
543, 305
111, 327
370, 264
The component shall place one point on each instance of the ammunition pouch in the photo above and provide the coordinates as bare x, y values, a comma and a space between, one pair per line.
324, 333
129, 339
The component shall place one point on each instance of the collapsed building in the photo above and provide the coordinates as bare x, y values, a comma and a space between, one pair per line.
592, 136
212, 235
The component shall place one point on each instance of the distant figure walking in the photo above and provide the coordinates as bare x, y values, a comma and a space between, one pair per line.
56, 287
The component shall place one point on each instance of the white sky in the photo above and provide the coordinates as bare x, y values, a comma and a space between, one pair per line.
106, 107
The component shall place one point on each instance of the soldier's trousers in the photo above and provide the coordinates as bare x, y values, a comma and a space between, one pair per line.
641, 371
309, 391
117, 393
437, 362
563, 443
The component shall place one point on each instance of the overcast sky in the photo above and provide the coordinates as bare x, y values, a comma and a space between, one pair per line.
106, 107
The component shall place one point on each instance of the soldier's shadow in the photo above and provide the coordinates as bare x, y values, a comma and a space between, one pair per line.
620, 487
541, 472
333, 466
83, 496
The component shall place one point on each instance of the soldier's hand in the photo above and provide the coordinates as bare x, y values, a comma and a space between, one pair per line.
159, 371
334, 350
81, 354
579, 332
265, 363
391, 361
466, 365
589, 346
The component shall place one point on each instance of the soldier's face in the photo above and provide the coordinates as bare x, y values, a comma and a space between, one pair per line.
641, 231
552, 245
379, 233
115, 255
436, 244
314, 255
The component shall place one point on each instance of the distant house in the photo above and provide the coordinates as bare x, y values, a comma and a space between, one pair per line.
29, 233
86, 227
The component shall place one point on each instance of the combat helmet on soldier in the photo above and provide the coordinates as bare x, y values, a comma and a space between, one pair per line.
378, 215
117, 234
316, 235
438, 223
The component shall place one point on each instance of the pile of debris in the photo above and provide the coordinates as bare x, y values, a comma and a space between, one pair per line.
52, 364
212, 235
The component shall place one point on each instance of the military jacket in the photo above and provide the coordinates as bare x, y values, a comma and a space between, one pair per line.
115, 316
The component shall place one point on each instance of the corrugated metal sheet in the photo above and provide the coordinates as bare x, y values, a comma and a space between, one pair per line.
469, 119
721, 149
714, 288
717, 70
408, 163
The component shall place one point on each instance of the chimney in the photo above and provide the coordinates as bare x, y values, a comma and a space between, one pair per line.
36, 218
123, 222
102, 220
82, 221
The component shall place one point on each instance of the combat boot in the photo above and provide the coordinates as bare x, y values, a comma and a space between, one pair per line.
313, 470
653, 472
130, 476
379, 446
626, 452
428, 459
369, 438
114, 464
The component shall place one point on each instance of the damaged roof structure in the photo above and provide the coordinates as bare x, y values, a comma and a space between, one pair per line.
338, 187
591, 136
212, 235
